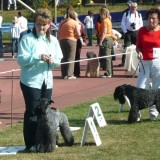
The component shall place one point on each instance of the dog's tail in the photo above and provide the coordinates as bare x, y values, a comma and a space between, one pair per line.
65, 131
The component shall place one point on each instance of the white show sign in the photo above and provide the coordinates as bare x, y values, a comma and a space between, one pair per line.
94, 111
90, 123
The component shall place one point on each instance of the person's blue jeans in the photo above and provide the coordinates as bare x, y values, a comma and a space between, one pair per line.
15, 42
1, 44
31, 97
90, 36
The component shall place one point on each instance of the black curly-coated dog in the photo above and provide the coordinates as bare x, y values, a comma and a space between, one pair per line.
139, 99
49, 119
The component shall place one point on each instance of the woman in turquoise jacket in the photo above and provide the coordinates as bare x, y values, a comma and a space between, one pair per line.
38, 53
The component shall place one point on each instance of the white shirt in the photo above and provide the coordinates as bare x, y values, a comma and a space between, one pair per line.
129, 19
1, 20
15, 30
88, 21
23, 23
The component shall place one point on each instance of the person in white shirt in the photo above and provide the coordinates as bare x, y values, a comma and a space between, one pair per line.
23, 22
10, 2
130, 24
15, 35
1, 43
88, 21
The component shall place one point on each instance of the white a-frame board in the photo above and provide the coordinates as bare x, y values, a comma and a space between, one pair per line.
94, 111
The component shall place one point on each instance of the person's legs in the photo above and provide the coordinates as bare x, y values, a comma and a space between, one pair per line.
69, 51
71, 56
64, 67
155, 75
144, 75
102, 60
13, 46
127, 42
108, 44
1, 44
143, 78
15, 4
31, 96
134, 37
89, 34
17, 42
9, 4
77, 64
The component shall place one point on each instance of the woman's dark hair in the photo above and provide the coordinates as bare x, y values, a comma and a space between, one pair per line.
152, 11
90, 13
45, 15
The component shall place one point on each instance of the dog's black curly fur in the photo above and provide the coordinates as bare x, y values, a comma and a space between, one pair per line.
49, 119
139, 99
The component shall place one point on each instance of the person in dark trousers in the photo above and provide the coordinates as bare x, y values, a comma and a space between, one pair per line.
38, 53
80, 43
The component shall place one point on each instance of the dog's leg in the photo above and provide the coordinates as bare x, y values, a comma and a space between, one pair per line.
39, 142
128, 101
88, 70
65, 131
51, 142
133, 115
120, 107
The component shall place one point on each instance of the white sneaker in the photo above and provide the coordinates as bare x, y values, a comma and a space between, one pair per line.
72, 77
106, 75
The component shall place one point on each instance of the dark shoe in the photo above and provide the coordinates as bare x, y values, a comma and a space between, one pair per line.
121, 65
106, 75
30, 149
77, 75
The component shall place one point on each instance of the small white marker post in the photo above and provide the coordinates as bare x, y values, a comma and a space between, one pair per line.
94, 111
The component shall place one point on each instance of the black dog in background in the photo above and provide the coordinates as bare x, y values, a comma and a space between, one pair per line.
139, 99
49, 119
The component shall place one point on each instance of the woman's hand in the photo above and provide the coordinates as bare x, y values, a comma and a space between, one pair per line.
46, 58
139, 55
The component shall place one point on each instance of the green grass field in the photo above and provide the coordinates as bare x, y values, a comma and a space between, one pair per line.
120, 140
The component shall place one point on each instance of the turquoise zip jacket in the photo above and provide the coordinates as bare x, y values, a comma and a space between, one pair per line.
34, 71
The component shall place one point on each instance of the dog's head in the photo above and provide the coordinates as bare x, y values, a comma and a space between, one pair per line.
91, 55
119, 94
43, 106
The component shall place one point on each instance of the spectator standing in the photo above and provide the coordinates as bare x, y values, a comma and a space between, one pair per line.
106, 43
131, 22
38, 53
129, 2
15, 34
1, 40
97, 28
88, 21
23, 23
148, 50
69, 32
80, 43
10, 2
